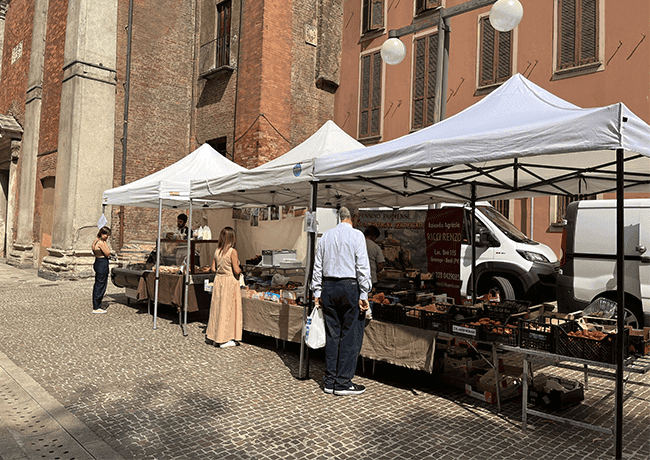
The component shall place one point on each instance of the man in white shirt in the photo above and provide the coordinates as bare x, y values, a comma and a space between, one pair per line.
341, 283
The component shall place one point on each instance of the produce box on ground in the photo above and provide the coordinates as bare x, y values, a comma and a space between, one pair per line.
509, 385
640, 341
555, 393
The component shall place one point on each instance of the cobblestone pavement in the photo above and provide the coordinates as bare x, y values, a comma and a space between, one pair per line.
158, 395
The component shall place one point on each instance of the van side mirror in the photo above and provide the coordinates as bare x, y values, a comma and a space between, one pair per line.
484, 238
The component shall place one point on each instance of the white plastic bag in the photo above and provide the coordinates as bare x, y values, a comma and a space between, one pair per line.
315, 329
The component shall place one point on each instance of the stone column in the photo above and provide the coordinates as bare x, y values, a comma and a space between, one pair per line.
13, 191
22, 254
86, 136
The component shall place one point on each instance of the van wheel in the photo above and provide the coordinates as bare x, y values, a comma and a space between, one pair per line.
503, 286
633, 316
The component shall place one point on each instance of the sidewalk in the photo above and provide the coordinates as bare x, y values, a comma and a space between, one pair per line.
33, 424
105, 386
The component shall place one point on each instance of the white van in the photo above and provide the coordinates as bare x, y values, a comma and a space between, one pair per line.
506, 259
588, 264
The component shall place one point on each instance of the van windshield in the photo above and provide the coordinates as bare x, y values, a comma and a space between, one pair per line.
505, 225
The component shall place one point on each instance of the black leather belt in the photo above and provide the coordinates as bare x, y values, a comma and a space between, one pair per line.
332, 278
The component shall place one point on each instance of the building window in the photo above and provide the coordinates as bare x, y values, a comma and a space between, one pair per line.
503, 206
424, 80
495, 54
372, 15
370, 104
561, 203
220, 145
577, 38
424, 5
216, 53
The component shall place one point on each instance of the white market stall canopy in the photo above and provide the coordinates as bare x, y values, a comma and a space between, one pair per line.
282, 181
518, 141
172, 184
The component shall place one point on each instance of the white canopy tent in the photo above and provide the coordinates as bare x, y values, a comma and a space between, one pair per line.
170, 188
519, 141
281, 181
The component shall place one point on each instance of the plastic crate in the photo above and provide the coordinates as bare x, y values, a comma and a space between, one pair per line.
504, 309
507, 334
603, 351
539, 334
388, 313
435, 321
412, 317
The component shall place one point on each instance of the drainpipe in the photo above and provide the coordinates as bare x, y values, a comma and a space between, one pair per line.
234, 122
125, 128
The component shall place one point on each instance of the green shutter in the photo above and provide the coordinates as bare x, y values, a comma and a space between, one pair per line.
431, 79
488, 38
365, 96
567, 34
375, 116
418, 82
377, 14
504, 63
588, 32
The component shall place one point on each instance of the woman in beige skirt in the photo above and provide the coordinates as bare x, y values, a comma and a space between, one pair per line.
225, 323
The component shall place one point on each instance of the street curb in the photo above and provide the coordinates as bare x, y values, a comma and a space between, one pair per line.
87, 439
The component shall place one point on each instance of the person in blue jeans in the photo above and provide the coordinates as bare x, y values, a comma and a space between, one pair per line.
341, 283
102, 254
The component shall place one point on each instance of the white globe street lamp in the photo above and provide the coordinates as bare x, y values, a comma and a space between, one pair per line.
505, 15
393, 51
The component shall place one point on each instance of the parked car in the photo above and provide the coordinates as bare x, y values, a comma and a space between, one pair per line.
588, 262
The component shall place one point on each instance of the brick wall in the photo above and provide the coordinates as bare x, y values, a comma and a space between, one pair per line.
215, 97
313, 105
13, 88
160, 100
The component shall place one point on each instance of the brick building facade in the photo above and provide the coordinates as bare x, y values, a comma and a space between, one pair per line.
252, 78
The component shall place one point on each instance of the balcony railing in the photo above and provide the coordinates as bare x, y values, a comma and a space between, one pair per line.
214, 56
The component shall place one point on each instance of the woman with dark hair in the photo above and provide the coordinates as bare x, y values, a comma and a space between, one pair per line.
102, 253
225, 323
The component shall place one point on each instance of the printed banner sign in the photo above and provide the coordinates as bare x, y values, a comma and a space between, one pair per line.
443, 231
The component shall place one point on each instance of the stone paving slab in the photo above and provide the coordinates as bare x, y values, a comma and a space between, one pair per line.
33, 425
159, 395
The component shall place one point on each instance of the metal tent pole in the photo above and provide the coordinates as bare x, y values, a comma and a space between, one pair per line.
187, 272
157, 277
473, 201
309, 269
620, 288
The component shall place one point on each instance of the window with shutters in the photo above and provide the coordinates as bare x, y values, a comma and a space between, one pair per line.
495, 60
425, 5
578, 35
215, 54
424, 80
559, 203
372, 12
370, 101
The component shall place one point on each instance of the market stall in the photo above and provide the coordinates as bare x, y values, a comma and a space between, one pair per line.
519, 141
169, 189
